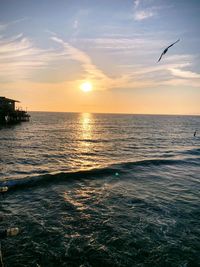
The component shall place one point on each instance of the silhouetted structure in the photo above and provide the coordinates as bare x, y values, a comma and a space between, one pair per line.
8, 112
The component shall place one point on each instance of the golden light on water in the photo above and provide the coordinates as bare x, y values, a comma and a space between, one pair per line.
86, 126
86, 87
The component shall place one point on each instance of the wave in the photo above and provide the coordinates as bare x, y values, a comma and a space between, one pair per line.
114, 169
193, 152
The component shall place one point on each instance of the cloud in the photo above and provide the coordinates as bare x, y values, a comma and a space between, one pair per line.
17, 21
184, 73
19, 57
127, 44
92, 72
76, 24
143, 14
137, 3
142, 11
168, 73
100, 79
4, 26
182, 82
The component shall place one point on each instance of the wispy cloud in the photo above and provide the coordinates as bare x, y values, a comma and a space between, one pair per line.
143, 14
142, 11
76, 24
92, 72
4, 26
184, 73
169, 73
179, 72
137, 3
19, 57
100, 79
122, 44
174, 82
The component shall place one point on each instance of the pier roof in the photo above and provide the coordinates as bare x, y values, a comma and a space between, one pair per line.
8, 99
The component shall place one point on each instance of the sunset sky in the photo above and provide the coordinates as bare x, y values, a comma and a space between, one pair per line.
48, 49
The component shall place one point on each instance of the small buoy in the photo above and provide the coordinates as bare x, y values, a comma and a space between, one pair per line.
9, 232
12, 231
3, 189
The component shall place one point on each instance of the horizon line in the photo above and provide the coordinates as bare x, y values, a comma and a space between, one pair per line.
117, 113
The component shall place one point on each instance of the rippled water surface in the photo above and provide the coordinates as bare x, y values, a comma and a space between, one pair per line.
101, 190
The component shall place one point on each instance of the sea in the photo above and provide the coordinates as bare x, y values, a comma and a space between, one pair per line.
101, 190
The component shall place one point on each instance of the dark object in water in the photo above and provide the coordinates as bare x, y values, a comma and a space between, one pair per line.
8, 113
9, 232
195, 132
166, 49
3, 189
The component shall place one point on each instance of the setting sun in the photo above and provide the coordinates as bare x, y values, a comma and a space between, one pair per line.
86, 87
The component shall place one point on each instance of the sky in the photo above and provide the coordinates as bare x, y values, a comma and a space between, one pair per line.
48, 49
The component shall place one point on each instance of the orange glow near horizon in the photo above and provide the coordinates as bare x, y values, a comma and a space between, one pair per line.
68, 97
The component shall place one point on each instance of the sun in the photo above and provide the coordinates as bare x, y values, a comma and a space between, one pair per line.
86, 87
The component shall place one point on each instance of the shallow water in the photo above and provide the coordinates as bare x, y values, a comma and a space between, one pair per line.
101, 190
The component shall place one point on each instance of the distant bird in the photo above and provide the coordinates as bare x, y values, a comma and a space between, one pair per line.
195, 133
166, 49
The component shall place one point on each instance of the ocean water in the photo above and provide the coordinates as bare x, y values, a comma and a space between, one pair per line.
101, 190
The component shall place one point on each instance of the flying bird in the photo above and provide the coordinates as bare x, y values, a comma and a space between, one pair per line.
166, 49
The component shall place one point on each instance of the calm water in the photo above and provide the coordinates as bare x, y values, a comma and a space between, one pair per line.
101, 190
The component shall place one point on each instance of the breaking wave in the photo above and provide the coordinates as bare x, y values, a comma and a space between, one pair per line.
114, 169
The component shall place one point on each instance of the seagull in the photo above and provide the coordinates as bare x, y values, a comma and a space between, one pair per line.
166, 49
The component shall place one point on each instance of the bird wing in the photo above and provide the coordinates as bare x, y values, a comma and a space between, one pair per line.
161, 56
173, 43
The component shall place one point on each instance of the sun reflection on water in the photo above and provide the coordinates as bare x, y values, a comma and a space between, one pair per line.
86, 126
86, 147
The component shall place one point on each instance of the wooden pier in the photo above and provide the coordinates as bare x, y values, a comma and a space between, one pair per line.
9, 114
